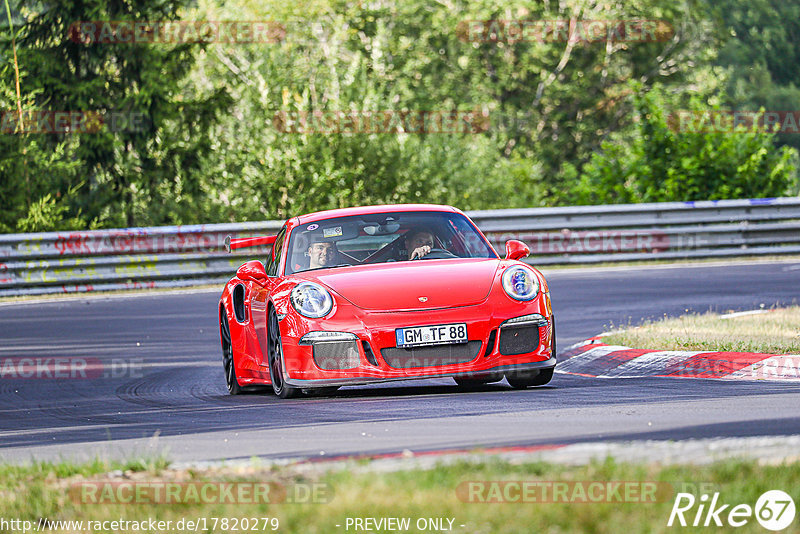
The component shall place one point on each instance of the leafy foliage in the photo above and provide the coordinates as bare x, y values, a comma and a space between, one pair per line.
565, 121
663, 163
136, 172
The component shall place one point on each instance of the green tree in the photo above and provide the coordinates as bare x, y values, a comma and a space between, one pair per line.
140, 169
663, 163
550, 104
567, 120
761, 55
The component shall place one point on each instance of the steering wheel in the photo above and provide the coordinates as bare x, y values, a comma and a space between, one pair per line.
437, 254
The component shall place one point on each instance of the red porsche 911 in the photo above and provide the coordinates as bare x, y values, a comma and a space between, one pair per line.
379, 293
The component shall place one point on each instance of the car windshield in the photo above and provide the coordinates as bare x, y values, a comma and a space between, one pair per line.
383, 238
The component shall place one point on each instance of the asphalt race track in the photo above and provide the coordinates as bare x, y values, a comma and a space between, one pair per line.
163, 388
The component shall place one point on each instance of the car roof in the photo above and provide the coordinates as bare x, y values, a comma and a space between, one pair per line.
362, 210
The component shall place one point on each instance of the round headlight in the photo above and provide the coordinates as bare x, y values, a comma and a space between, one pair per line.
311, 300
520, 283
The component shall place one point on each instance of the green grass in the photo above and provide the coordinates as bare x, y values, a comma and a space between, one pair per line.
42, 491
774, 332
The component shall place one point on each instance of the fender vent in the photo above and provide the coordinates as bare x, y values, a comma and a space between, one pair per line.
239, 309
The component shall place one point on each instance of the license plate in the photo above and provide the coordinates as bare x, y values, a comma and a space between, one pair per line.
431, 335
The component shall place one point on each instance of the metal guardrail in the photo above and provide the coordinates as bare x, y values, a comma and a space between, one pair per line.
630, 232
174, 256
131, 258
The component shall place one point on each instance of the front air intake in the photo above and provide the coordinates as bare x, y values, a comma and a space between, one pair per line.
519, 339
368, 353
490, 343
434, 356
336, 355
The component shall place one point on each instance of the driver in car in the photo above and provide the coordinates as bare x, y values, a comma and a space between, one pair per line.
322, 254
419, 244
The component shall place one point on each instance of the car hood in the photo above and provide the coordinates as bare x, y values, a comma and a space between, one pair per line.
417, 285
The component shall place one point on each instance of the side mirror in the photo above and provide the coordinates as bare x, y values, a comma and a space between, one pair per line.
516, 250
252, 270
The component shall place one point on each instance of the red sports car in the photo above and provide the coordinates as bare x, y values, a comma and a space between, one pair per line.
379, 293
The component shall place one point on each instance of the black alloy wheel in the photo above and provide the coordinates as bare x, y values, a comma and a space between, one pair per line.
227, 356
275, 355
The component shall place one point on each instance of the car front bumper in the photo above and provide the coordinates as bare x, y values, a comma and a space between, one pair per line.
379, 360
499, 371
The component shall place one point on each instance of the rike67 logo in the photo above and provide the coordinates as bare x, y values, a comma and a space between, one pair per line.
774, 510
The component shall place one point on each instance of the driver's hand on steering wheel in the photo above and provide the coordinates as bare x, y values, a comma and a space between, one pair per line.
419, 244
420, 252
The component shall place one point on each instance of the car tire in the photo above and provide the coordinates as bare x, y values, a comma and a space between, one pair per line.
528, 379
275, 357
231, 382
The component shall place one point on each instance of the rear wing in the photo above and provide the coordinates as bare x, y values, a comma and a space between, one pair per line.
233, 244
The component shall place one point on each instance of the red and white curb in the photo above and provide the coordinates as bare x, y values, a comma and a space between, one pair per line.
594, 358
